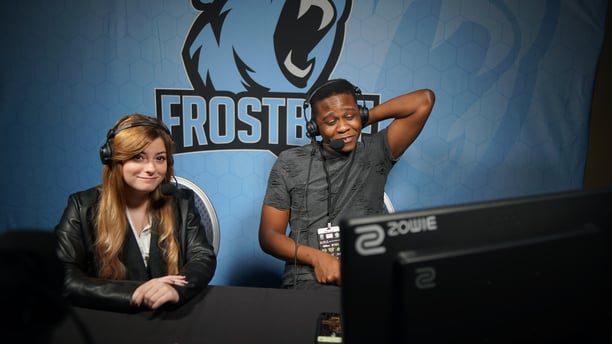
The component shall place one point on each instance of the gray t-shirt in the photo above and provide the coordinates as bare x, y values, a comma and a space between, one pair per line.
298, 182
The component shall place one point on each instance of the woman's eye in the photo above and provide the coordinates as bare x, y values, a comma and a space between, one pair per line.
137, 157
161, 158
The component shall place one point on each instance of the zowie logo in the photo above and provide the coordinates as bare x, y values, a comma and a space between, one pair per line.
370, 238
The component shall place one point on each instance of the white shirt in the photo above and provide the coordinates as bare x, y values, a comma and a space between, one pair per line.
143, 240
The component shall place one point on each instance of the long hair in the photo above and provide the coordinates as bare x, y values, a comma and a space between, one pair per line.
111, 221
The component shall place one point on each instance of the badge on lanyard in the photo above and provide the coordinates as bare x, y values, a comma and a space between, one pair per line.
329, 239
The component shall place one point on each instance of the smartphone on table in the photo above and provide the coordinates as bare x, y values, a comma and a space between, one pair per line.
329, 328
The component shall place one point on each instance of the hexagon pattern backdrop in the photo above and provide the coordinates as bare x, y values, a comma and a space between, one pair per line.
513, 81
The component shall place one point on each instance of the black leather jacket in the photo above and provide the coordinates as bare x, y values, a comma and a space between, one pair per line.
76, 235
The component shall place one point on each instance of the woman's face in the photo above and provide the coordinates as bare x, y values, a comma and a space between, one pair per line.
145, 171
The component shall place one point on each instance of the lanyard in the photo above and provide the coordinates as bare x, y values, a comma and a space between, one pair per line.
330, 204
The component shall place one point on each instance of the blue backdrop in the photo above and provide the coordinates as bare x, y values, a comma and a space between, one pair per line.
513, 81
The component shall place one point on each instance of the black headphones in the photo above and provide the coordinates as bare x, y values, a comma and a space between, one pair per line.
312, 129
106, 151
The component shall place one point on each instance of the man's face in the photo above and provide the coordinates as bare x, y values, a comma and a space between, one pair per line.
338, 118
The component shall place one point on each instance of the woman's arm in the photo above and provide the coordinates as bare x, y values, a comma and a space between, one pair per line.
200, 259
81, 286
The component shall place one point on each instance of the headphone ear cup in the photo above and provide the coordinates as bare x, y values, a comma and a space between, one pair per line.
106, 151
364, 113
312, 129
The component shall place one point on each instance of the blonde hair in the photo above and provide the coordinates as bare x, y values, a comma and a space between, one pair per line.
111, 221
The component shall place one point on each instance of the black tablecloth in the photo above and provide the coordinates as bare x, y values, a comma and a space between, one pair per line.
221, 314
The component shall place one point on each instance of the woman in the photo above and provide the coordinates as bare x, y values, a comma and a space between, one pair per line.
125, 245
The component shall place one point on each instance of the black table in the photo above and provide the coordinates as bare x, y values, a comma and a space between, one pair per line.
222, 314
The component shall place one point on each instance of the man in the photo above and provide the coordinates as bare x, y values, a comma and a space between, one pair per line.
312, 187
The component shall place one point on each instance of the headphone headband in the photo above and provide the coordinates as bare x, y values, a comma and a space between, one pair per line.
106, 151
356, 90
312, 129
114, 130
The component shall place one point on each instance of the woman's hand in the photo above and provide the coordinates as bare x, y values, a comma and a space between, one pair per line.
156, 292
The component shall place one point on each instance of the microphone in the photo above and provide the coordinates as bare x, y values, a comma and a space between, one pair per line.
336, 145
168, 189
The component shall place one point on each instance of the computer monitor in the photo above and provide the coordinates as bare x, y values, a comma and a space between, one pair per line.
534, 267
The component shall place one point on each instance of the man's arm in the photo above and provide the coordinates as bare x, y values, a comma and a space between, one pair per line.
272, 229
410, 112
274, 241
